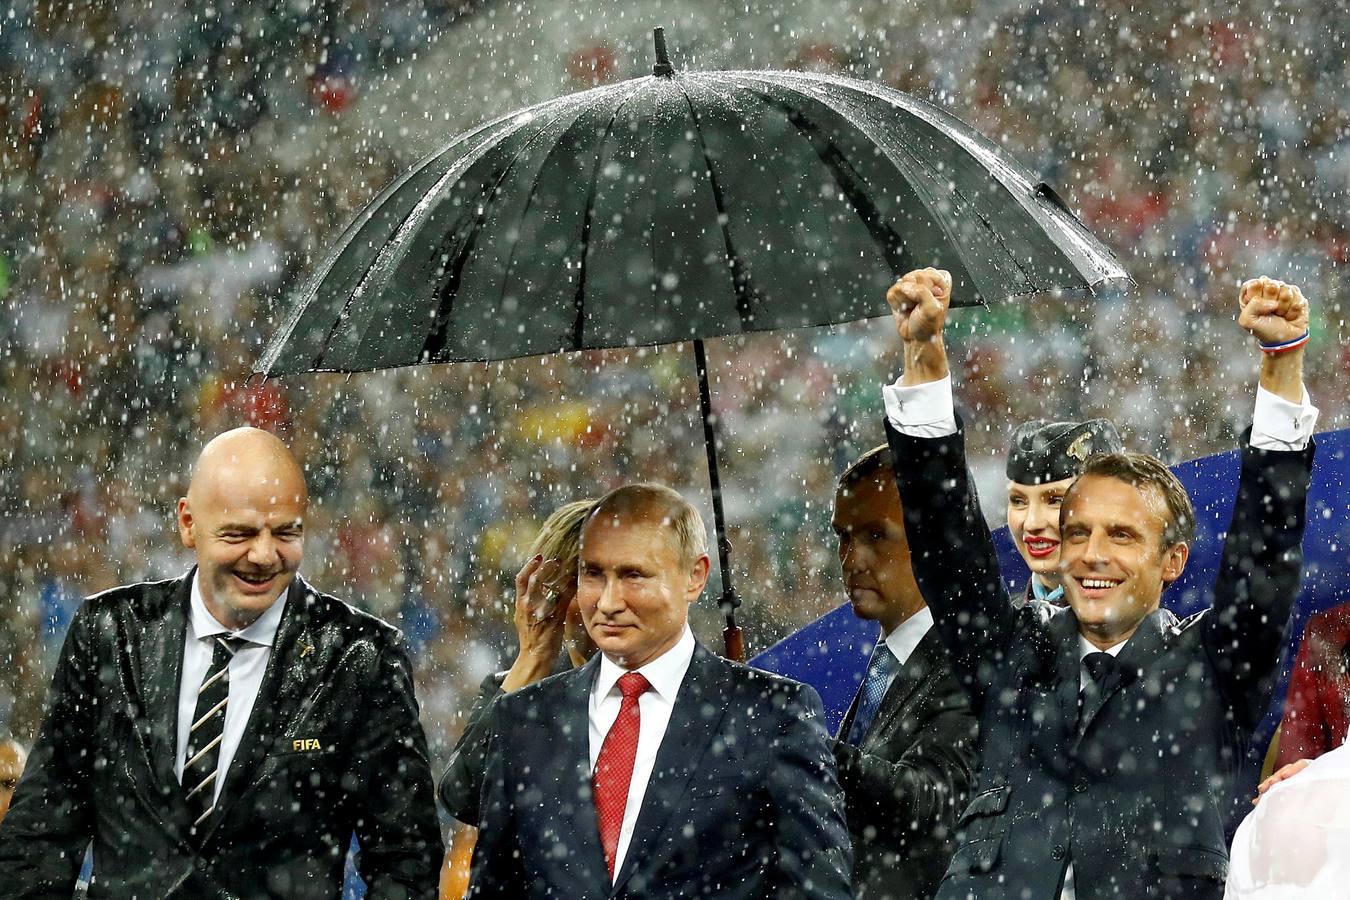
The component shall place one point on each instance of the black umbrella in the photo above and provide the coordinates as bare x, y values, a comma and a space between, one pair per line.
676, 207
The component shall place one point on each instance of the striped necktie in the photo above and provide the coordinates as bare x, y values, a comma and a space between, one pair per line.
201, 769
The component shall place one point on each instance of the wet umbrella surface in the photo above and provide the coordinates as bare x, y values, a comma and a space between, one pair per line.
677, 207
674, 207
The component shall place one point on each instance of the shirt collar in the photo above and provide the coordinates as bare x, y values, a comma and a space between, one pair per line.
664, 673
262, 631
908, 633
1039, 591
1085, 647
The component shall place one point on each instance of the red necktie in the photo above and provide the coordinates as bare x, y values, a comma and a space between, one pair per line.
614, 766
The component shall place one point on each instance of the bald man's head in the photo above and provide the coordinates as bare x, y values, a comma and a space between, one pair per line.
244, 516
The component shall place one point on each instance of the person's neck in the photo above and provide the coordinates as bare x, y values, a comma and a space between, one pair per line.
892, 621
233, 621
1049, 582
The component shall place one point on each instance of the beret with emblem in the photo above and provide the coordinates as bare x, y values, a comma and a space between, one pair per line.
1051, 451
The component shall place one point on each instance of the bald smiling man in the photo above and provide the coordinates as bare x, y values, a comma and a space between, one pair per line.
226, 733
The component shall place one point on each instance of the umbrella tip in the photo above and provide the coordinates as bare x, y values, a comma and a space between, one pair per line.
663, 68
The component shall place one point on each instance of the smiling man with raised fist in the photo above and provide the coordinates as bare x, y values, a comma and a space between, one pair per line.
1109, 733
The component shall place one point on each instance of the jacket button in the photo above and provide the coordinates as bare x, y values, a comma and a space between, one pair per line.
1058, 853
1080, 787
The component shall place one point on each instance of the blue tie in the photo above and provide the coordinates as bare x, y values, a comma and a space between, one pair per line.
880, 670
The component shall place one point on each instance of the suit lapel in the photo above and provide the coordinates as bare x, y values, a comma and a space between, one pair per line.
154, 656
290, 668
1138, 653
688, 736
1063, 629
574, 790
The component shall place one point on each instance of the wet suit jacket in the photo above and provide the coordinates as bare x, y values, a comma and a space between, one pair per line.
908, 779
1135, 789
333, 747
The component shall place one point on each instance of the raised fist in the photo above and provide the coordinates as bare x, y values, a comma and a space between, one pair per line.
919, 303
1274, 312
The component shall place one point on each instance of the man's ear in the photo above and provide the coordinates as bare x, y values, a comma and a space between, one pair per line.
698, 577
185, 524
1174, 561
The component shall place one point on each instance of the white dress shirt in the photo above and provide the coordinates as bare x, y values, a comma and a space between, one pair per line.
665, 674
907, 635
246, 675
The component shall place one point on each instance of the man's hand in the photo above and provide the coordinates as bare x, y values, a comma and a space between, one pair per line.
539, 621
1281, 774
919, 304
1275, 313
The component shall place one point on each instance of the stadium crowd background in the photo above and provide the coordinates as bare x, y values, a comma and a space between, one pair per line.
167, 178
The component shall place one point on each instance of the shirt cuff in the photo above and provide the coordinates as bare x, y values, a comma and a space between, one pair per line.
1278, 424
921, 410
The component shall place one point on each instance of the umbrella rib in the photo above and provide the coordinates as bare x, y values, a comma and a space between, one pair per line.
436, 340
847, 179
931, 117
579, 322
529, 202
740, 273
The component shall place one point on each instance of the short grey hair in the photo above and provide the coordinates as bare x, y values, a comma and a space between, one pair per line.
688, 534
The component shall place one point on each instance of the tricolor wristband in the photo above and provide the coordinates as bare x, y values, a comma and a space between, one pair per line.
1286, 346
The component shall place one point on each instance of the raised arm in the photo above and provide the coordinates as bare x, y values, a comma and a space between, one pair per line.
954, 560
1263, 553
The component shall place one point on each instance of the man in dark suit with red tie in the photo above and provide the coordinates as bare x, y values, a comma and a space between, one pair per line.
657, 769
226, 733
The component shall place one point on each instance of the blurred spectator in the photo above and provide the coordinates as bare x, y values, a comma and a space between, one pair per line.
12, 758
1317, 709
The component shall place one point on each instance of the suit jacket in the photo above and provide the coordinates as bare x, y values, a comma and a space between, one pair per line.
333, 747
742, 803
1136, 788
907, 780
462, 783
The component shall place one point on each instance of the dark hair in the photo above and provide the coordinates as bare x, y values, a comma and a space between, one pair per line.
865, 466
1143, 471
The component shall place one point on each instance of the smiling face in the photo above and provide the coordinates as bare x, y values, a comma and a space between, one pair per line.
633, 585
1033, 522
874, 553
1113, 562
244, 517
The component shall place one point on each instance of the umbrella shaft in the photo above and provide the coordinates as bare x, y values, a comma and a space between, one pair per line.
729, 601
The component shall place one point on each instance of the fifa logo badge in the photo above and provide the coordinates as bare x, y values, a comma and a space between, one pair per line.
305, 744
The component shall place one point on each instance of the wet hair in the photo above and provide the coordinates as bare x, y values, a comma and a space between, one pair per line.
1143, 471
874, 461
690, 538
560, 536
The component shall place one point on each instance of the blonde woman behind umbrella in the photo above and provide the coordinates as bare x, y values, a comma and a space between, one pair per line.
547, 622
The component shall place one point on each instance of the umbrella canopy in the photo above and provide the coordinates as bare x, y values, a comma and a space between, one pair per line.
678, 207
674, 207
